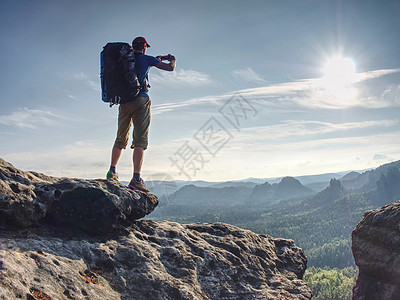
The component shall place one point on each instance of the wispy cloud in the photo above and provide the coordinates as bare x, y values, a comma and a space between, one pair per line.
248, 75
305, 94
181, 77
303, 128
94, 85
265, 157
87, 80
377, 73
80, 76
380, 157
26, 118
80, 81
309, 94
172, 106
323, 155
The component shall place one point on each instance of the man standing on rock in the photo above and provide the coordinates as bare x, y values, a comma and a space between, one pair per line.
137, 111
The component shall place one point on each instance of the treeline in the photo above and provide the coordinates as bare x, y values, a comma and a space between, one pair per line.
321, 225
331, 284
322, 231
337, 253
326, 242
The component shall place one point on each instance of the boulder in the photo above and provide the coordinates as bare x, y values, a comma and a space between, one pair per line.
93, 206
376, 250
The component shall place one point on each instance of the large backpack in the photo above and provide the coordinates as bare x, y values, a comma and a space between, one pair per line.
119, 81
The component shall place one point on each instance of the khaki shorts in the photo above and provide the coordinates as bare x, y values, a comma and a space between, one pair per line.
138, 112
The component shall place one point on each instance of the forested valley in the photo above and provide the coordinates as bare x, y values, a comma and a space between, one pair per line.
320, 222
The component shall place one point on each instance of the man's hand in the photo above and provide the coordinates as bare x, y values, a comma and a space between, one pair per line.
168, 57
172, 60
164, 66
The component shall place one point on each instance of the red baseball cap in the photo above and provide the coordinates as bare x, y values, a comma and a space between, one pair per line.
140, 40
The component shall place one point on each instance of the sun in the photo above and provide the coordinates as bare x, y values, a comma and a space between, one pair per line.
339, 75
340, 70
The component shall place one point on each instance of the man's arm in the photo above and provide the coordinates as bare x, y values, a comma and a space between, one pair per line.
167, 67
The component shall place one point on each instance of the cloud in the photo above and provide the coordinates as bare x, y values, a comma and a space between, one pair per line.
94, 85
80, 76
376, 74
266, 157
86, 79
302, 128
391, 95
380, 157
84, 159
26, 118
248, 75
278, 95
77, 84
172, 106
306, 94
181, 77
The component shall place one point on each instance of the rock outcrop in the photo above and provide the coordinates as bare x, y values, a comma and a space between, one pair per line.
153, 260
51, 248
93, 206
376, 250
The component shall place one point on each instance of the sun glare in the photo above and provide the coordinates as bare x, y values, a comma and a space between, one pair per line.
339, 74
340, 70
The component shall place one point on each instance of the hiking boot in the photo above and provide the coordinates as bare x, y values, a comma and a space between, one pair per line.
138, 185
112, 176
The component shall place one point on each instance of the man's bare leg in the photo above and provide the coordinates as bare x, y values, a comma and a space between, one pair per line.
115, 155
138, 154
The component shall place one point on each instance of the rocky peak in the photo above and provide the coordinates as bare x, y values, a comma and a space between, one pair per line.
289, 182
335, 189
287, 188
290, 187
63, 238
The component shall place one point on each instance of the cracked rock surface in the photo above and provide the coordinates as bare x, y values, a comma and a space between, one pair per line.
46, 253
153, 260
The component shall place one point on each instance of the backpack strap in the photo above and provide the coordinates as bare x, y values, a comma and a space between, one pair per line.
143, 85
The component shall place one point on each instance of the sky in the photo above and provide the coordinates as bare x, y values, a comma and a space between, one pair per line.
262, 88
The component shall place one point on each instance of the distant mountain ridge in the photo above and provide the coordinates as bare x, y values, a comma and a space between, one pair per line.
320, 222
201, 195
369, 179
204, 199
287, 188
316, 182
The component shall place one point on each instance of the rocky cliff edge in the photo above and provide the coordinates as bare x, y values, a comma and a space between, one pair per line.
376, 250
66, 238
